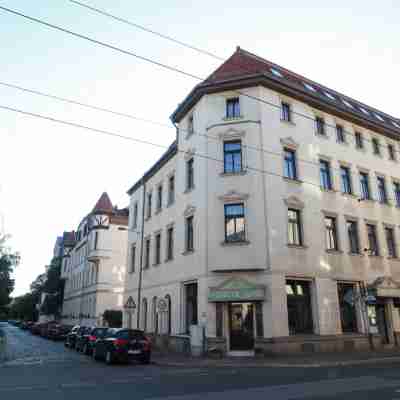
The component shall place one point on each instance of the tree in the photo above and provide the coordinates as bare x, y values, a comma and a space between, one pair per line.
113, 318
24, 307
53, 287
8, 261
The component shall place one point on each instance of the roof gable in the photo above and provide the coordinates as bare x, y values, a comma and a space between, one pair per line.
103, 204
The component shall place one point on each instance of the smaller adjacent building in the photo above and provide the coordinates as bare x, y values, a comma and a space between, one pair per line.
94, 265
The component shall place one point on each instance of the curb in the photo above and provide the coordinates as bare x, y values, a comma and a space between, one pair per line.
382, 360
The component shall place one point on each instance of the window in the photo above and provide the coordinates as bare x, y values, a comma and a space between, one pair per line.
286, 114
149, 200
96, 240
352, 232
372, 240
382, 190
347, 307
331, 234
364, 183
169, 322
170, 243
189, 234
359, 140
171, 189
391, 242
135, 216
290, 171
299, 307
325, 175
157, 255
396, 189
232, 157
190, 129
191, 305
155, 315
346, 180
144, 315
234, 223
391, 151
376, 146
159, 198
189, 174
147, 254
340, 134
295, 236
133, 259
320, 126
232, 108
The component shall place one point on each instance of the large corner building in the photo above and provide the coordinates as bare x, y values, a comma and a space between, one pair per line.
272, 220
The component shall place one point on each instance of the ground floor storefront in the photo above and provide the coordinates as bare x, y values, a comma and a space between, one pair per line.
253, 314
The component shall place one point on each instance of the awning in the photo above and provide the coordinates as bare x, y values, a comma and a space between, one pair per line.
237, 289
385, 287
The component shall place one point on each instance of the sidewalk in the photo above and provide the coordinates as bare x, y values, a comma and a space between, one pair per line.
315, 360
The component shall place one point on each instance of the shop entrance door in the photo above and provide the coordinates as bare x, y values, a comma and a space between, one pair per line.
241, 326
382, 323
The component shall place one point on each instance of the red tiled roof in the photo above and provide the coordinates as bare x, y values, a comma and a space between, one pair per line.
103, 204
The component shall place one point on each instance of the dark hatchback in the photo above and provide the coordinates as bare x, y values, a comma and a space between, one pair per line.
71, 337
59, 332
86, 342
123, 345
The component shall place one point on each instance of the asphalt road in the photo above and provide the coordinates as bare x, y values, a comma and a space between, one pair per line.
37, 368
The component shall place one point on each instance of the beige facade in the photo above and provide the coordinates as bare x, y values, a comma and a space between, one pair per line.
325, 273
94, 268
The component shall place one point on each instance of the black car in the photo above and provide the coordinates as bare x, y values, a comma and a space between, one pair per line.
87, 341
59, 332
82, 336
123, 345
71, 337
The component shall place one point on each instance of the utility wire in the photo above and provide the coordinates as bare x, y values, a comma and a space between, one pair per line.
206, 52
157, 123
141, 141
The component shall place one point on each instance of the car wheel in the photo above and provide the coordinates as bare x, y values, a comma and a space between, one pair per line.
94, 354
145, 359
109, 358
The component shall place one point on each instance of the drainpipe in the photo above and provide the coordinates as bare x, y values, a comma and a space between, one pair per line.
141, 257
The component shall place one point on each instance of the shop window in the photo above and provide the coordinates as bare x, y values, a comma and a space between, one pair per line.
347, 306
299, 307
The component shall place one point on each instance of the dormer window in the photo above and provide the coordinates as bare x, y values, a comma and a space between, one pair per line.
190, 128
286, 114
233, 108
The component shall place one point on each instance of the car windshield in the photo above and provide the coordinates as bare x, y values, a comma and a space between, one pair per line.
99, 332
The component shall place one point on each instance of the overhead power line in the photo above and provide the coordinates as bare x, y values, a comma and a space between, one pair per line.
140, 141
199, 50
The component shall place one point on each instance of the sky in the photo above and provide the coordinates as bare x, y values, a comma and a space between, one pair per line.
52, 175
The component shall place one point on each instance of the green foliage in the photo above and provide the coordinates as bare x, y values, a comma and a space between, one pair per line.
24, 307
113, 318
8, 261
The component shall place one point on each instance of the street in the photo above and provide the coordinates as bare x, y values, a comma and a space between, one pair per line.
38, 367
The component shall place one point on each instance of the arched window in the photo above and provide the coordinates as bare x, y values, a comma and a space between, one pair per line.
144, 314
168, 299
154, 315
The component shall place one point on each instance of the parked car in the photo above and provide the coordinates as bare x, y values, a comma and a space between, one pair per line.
88, 341
71, 337
35, 328
123, 345
44, 328
82, 336
26, 325
58, 331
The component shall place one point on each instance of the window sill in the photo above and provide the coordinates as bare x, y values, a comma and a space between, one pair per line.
240, 173
374, 256
147, 219
328, 190
290, 123
297, 246
356, 254
342, 143
233, 118
235, 243
297, 181
188, 252
333, 251
170, 203
366, 201
393, 258
351, 195
377, 155
387, 204
188, 190
322, 136
362, 149
156, 264
167, 260
158, 211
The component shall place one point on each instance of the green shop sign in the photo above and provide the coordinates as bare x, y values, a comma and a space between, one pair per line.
236, 289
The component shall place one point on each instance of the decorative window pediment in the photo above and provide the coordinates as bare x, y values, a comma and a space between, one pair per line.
231, 133
294, 202
289, 142
189, 211
233, 195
